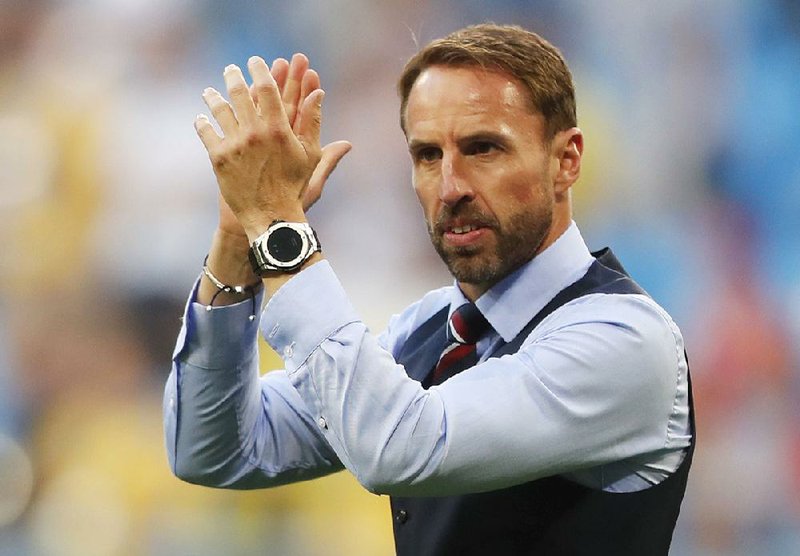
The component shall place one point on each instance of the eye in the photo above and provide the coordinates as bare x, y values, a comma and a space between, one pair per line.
428, 154
480, 147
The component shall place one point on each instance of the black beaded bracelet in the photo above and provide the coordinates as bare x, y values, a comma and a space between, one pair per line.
221, 287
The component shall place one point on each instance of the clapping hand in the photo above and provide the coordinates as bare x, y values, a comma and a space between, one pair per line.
268, 161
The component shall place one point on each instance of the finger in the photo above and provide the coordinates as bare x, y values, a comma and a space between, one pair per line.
291, 90
309, 121
206, 132
270, 105
280, 71
331, 155
221, 110
309, 84
239, 94
253, 96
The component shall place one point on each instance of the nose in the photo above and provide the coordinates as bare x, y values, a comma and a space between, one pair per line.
455, 187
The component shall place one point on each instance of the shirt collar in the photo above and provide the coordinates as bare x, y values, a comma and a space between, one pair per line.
513, 302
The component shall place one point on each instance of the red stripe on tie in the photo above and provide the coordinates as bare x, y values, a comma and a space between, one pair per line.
465, 326
450, 358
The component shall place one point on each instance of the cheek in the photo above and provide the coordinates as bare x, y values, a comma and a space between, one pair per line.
523, 187
426, 195
524, 193
529, 183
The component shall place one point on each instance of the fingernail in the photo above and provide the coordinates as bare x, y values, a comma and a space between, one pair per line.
208, 90
230, 67
255, 59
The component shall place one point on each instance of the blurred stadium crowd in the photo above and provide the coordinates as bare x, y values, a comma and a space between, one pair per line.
107, 203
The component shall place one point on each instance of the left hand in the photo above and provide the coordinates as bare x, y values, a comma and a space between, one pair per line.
262, 165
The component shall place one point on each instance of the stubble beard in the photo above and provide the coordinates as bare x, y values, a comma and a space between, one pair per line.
515, 244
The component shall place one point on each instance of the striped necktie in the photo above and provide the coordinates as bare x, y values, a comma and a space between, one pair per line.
464, 329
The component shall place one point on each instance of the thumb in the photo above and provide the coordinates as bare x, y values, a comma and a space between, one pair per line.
331, 155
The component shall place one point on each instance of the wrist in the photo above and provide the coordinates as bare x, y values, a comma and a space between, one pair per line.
256, 224
231, 242
227, 293
229, 263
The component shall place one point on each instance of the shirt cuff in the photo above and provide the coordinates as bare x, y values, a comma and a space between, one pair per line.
304, 312
218, 338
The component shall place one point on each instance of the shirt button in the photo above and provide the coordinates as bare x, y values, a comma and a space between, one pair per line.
323, 424
172, 402
288, 351
401, 516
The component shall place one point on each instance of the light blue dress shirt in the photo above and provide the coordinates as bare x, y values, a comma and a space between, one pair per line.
598, 391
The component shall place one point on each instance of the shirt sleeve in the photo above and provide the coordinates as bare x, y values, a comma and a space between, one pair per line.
225, 426
595, 383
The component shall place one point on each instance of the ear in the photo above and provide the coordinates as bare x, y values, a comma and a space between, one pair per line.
567, 150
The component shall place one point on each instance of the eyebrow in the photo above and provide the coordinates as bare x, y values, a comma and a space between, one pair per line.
483, 136
489, 136
416, 145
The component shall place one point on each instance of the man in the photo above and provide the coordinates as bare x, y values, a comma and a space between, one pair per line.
540, 405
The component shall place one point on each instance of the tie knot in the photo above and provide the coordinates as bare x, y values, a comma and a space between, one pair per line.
467, 324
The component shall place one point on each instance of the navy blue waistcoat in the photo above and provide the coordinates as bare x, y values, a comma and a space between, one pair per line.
548, 516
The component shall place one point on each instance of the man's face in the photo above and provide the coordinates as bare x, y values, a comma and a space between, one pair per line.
483, 172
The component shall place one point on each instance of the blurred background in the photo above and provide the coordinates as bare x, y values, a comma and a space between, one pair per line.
691, 112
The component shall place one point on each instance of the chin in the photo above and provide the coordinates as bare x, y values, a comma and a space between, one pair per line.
473, 270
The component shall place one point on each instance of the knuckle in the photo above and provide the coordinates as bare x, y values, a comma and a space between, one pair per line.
219, 107
203, 130
253, 138
277, 135
239, 89
219, 160
265, 87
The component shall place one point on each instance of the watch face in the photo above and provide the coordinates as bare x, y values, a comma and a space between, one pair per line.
285, 244
284, 247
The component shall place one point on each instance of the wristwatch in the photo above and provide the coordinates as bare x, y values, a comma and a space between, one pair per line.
284, 247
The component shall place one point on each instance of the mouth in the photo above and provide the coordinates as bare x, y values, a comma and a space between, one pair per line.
464, 235
461, 229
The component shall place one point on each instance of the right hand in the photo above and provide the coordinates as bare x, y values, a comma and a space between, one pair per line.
295, 81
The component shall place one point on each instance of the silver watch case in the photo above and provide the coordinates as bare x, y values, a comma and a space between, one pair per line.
290, 253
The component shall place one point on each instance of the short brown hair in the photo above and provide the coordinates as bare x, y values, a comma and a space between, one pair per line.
510, 49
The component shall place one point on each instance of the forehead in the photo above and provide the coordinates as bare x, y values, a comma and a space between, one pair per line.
453, 97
